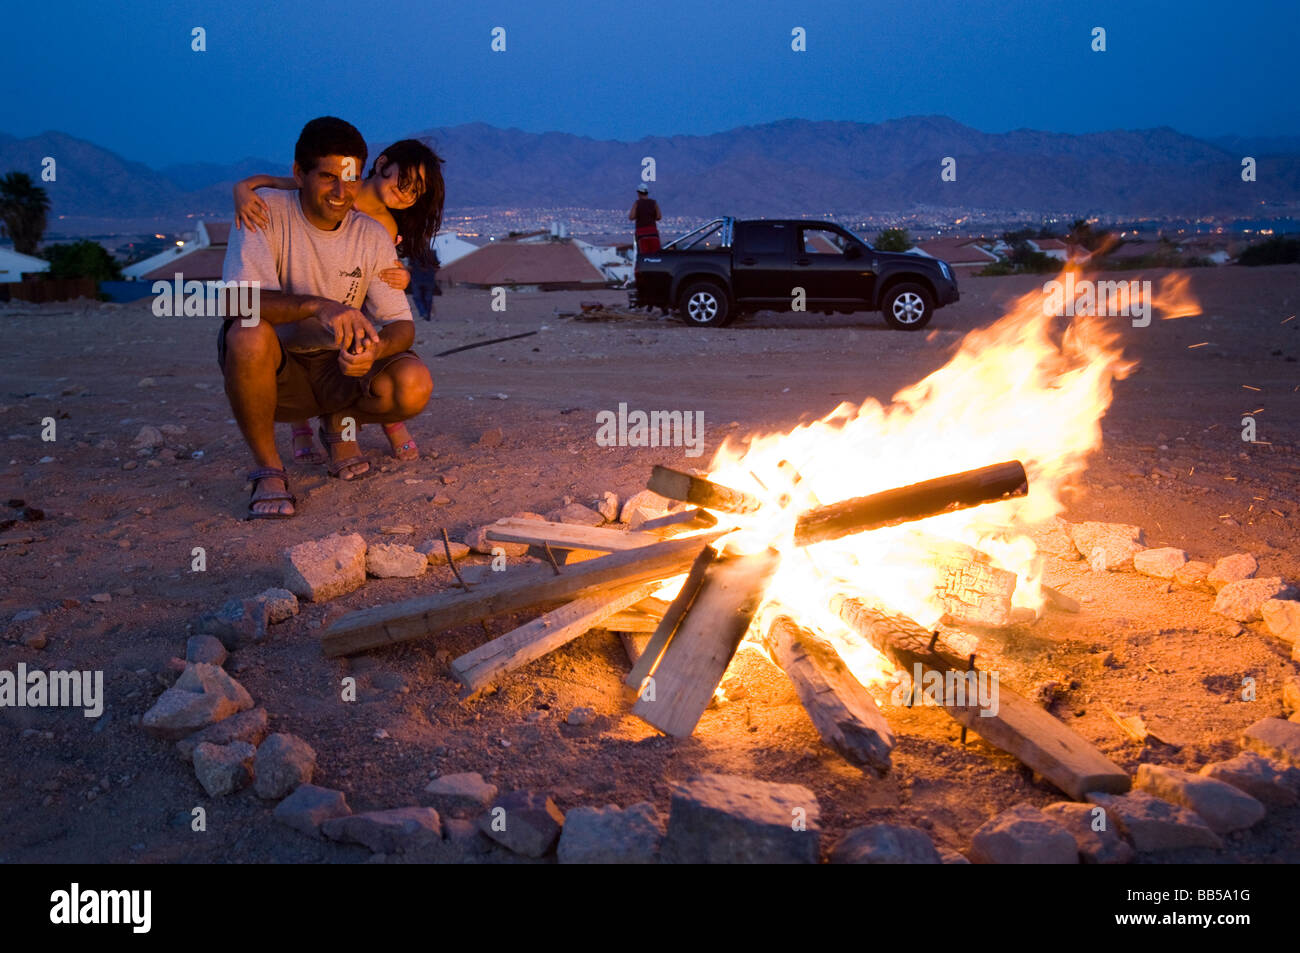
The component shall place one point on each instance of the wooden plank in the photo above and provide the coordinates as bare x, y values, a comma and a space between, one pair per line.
680, 686
675, 523
634, 644
840, 707
518, 589
1058, 599
677, 609
480, 667
1015, 724
632, 621
676, 485
567, 535
945, 494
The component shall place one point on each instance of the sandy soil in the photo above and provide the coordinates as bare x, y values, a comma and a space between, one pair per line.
1173, 462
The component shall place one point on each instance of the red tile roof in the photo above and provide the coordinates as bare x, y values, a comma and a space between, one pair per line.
203, 264
957, 251
524, 263
218, 232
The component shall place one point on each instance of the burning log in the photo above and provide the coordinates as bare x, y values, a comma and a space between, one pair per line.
566, 535
480, 667
702, 641
971, 589
919, 501
413, 618
1015, 725
841, 709
676, 485
654, 649
676, 522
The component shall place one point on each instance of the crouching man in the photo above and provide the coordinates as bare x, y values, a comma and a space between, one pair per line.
312, 352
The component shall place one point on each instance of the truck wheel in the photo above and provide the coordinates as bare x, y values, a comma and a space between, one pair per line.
907, 307
704, 304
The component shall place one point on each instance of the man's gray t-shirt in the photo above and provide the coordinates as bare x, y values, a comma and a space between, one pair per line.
294, 256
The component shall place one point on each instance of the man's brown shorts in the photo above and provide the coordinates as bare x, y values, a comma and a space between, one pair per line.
311, 383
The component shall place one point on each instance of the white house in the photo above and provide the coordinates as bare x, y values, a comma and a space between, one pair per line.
449, 246
1051, 247
186, 258
13, 265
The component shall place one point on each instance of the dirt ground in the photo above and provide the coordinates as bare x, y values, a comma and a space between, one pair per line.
77, 790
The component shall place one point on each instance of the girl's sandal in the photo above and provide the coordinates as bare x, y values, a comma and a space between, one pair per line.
308, 453
356, 467
406, 450
265, 473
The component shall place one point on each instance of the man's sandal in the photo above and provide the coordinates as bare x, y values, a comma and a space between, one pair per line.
309, 453
406, 450
336, 468
274, 496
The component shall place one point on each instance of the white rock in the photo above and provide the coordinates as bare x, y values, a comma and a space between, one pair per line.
326, 568
646, 505
1282, 617
1193, 575
223, 769
1243, 601
608, 506
1161, 563
1231, 569
1023, 835
1223, 807
577, 514
390, 560
148, 438
1107, 546
436, 553
283, 762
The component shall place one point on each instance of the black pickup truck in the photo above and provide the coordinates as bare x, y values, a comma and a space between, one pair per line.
727, 268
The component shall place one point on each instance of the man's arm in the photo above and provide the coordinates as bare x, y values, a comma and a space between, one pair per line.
279, 307
395, 338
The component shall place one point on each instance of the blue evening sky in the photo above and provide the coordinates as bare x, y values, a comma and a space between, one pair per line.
123, 75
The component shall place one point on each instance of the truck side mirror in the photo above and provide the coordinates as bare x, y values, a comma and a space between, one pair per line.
853, 251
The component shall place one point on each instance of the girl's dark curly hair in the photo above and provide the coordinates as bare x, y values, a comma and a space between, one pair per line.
418, 224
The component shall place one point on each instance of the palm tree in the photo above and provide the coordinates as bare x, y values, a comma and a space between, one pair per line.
23, 206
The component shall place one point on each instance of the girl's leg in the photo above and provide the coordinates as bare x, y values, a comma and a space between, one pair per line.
304, 450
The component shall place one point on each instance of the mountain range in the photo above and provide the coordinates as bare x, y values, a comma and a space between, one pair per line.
790, 167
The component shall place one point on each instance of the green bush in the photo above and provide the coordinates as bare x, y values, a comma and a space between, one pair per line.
83, 259
1278, 250
893, 239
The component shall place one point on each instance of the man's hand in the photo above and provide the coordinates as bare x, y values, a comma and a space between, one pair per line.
358, 363
349, 326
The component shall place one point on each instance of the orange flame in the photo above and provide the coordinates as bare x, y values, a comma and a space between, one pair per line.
1026, 388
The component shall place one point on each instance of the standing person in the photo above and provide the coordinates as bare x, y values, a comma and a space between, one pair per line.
405, 193
310, 350
645, 212
424, 285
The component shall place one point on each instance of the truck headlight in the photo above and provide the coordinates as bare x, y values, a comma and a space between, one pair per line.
943, 267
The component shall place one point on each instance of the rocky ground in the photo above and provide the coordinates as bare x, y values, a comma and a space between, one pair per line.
105, 581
